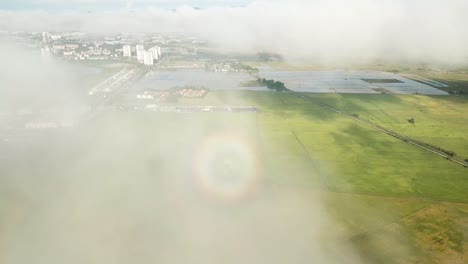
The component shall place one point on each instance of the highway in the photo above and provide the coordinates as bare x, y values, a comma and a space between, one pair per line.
113, 82
107, 91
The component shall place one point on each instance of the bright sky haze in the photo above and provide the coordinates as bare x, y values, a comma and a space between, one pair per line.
90, 5
428, 31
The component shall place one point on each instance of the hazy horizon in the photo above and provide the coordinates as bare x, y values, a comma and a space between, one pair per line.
326, 32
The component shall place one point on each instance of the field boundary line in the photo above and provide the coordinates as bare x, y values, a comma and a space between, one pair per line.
363, 234
323, 178
390, 196
401, 197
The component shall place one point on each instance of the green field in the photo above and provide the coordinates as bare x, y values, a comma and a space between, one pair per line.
133, 184
395, 202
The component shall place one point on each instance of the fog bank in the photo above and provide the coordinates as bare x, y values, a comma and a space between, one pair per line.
431, 31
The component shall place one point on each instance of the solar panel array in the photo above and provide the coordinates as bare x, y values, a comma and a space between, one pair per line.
349, 82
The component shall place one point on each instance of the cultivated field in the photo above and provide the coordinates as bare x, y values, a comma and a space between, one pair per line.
396, 203
314, 183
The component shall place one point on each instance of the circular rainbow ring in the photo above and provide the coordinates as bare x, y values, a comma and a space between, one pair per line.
227, 166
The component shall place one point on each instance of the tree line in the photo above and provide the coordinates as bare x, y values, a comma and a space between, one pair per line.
272, 84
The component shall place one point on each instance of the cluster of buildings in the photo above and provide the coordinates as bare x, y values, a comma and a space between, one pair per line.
146, 49
146, 57
157, 96
221, 67
191, 92
78, 52
72, 46
227, 66
163, 96
47, 37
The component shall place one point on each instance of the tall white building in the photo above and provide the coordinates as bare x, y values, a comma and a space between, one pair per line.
45, 37
148, 58
155, 52
159, 52
140, 51
127, 51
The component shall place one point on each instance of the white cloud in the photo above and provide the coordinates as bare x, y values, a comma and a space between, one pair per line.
142, 2
430, 30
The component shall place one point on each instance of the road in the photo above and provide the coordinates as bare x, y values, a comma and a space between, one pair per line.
108, 90
113, 82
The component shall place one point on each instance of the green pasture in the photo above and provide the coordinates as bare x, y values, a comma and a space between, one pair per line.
372, 183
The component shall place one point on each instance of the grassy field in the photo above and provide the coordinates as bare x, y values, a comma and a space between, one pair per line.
382, 191
129, 175
439, 121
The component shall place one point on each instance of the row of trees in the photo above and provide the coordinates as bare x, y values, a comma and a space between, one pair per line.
272, 84
448, 152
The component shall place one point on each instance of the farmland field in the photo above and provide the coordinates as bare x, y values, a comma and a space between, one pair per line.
308, 176
381, 190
